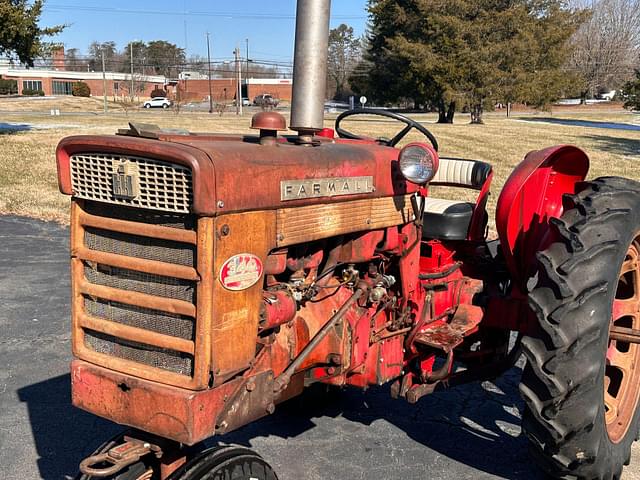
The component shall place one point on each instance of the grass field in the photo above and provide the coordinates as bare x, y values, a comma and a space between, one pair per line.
28, 178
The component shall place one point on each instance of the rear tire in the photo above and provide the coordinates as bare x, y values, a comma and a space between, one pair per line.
573, 366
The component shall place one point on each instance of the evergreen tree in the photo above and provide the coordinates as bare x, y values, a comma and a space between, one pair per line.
443, 53
20, 33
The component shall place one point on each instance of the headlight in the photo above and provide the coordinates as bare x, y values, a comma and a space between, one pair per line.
418, 162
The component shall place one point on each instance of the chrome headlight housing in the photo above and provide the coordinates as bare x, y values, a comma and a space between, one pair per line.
418, 163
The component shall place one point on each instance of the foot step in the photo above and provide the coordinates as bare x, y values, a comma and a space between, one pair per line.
448, 336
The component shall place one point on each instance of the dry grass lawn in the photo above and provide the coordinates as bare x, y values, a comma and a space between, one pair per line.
28, 177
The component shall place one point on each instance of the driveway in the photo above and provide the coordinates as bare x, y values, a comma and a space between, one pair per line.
470, 432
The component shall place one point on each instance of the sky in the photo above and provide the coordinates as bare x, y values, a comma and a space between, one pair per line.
269, 25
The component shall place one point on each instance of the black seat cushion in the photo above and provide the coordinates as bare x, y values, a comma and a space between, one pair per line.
450, 223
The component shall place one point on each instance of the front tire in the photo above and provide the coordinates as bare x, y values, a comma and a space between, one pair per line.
581, 385
225, 463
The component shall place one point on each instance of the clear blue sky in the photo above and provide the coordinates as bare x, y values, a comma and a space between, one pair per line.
268, 24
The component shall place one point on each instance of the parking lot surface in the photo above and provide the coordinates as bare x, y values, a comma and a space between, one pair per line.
469, 432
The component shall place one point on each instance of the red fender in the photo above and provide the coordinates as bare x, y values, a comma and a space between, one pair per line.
531, 196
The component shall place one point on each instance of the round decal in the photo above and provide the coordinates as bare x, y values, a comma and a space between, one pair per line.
240, 271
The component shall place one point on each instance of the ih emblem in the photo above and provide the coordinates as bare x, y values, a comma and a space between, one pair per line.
125, 180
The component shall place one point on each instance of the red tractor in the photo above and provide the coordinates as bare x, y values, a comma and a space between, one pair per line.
215, 276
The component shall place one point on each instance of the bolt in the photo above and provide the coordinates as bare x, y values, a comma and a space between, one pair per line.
224, 231
271, 408
381, 359
220, 204
280, 237
331, 370
223, 425
251, 385
146, 445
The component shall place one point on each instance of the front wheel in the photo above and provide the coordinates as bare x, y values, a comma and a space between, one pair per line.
225, 463
582, 380
147, 105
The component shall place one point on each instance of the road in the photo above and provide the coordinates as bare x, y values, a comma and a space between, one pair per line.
470, 432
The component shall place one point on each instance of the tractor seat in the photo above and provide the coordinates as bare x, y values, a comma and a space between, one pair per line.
446, 219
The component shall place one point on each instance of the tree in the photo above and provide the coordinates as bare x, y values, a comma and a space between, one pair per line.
97, 49
72, 62
442, 53
344, 53
20, 33
606, 46
631, 93
164, 58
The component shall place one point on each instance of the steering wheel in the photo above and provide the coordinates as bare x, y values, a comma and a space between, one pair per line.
410, 124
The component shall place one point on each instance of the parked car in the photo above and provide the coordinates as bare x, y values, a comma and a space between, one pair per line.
245, 102
157, 102
266, 100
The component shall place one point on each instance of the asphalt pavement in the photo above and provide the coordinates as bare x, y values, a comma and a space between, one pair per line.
469, 432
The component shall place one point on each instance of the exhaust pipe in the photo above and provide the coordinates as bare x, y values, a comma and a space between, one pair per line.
310, 67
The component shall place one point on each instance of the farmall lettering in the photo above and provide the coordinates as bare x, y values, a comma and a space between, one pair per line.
325, 187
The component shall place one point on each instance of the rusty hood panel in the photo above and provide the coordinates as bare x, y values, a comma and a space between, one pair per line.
249, 176
236, 173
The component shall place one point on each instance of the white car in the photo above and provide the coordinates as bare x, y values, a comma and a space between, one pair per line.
160, 102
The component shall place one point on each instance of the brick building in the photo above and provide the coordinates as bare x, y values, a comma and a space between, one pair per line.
224, 89
55, 80
59, 82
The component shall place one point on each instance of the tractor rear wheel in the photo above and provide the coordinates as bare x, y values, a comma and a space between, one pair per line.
225, 463
582, 380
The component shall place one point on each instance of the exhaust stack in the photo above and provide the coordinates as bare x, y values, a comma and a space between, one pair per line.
310, 67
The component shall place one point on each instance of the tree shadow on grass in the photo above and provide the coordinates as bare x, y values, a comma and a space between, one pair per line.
13, 128
615, 145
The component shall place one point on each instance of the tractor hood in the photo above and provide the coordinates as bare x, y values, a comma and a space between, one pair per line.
236, 173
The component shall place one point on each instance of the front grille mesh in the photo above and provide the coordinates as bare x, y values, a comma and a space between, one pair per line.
162, 185
177, 362
133, 281
145, 318
142, 247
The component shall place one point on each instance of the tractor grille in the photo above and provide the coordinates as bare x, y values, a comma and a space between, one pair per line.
146, 312
159, 185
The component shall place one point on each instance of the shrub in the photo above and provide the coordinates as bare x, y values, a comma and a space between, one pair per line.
158, 92
8, 87
631, 93
32, 93
80, 89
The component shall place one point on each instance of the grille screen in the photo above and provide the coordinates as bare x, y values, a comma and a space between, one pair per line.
129, 280
158, 185
140, 247
146, 318
140, 282
137, 352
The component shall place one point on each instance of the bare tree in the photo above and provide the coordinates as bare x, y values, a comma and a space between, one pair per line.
607, 45
344, 53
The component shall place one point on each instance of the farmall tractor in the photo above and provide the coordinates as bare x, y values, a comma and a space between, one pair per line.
216, 276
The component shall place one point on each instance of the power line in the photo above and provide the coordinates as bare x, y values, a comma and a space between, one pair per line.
193, 13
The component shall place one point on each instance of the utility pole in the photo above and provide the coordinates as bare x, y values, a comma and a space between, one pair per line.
132, 85
246, 70
239, 80
104, 85
209, 70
